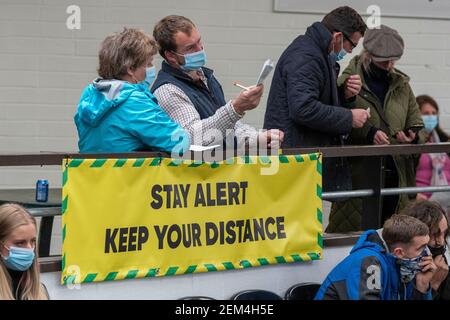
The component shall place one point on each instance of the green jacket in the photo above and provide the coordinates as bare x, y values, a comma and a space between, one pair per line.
400, 112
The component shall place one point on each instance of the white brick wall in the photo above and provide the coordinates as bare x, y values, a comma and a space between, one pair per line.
44, 66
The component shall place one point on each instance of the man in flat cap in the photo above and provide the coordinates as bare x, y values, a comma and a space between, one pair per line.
304, 100
395, 119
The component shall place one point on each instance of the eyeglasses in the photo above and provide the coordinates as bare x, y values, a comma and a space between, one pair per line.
349, 40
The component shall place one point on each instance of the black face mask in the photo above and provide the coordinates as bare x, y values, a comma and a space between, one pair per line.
378, 73
438, 251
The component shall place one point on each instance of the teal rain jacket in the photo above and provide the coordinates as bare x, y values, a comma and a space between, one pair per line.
116, 116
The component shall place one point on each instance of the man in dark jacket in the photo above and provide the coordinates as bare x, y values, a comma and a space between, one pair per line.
304, 100
389, 264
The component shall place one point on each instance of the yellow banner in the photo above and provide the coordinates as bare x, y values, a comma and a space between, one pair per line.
136, 218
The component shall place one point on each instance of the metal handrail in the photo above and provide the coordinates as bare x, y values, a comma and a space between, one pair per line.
384, 192
56, 158
45, 211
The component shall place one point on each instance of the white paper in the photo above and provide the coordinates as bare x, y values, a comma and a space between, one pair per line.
197, 148
265, 71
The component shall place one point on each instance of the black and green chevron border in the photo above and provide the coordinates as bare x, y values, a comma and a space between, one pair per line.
177, 270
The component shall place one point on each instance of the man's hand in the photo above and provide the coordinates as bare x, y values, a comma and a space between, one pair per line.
401, 136
441, 273
248, 99
380, 138
272, 138
360, 117
424, 277
352, 86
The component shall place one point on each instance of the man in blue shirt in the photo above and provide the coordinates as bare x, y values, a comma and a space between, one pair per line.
389, 264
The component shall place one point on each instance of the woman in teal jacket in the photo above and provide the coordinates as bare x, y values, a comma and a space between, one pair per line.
117, 112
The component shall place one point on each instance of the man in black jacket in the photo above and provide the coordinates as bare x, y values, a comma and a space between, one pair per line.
304, 100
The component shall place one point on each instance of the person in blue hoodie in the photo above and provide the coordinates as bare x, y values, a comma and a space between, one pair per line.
389, 264
117, 112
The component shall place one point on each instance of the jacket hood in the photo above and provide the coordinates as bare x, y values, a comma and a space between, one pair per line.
102, 96
371, 240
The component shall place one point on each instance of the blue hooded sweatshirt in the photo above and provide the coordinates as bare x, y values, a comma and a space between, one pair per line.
116, 116
368, 273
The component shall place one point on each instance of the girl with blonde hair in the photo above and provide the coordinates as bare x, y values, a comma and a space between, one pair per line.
19, 268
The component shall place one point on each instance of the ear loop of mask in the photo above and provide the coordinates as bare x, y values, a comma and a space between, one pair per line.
179, 55
9, 249
4, 245
342, 44
134, 78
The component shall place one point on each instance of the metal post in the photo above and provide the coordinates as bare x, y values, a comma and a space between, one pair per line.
372, 206
45, 235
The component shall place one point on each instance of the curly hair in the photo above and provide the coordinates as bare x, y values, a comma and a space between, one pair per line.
166, 29
428, 212
129, 49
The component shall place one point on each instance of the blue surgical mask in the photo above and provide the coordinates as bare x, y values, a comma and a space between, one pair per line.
341, 54
19, 259
150, 76
409, 268
194, 61
430, 122
335, 57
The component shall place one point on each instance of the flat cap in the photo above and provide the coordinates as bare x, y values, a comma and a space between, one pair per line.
384, 44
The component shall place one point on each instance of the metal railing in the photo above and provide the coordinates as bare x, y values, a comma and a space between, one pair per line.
383, 192
372, 195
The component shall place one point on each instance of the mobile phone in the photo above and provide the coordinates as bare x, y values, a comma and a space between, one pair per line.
415, 129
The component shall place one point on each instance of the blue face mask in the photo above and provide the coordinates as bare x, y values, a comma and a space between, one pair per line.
430, 122
19, 259
409, 268
194, 61
335, 57
150, 76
